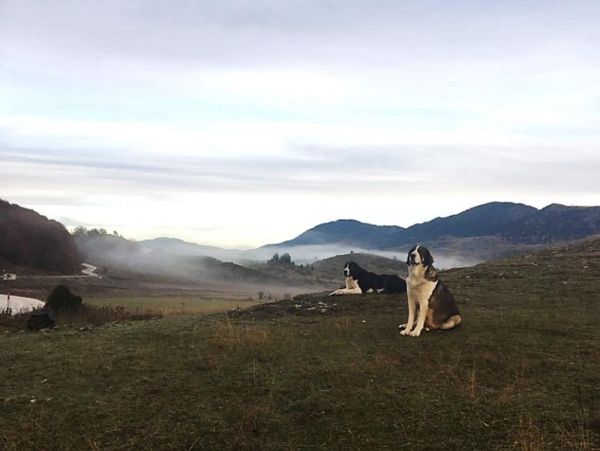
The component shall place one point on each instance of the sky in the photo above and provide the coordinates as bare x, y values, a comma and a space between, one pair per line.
237, 123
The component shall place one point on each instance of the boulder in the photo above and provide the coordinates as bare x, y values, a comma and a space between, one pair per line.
41, 319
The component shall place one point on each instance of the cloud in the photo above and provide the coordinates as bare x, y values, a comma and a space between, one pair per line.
149, 115
265, 31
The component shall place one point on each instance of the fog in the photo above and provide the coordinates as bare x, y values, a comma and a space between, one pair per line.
311, 253
193, 268
233, 270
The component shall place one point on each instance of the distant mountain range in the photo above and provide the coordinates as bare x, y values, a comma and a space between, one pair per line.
515, 224
485, 232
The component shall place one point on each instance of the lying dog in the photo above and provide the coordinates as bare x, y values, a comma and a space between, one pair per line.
359, 281
428, 294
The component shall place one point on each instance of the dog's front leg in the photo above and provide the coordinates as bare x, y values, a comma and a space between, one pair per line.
411, 317
423, 306
355, 290
342, 290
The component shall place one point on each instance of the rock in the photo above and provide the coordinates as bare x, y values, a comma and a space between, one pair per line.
41, 319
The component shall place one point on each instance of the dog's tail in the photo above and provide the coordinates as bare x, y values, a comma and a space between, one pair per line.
451, 322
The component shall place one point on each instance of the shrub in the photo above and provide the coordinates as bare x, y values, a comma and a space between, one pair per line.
61, 299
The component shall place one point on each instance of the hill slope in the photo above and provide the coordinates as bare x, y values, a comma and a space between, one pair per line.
30, 239
329, 373
332, 267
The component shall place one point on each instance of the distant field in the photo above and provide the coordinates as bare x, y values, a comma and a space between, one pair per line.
522, 372
173, 305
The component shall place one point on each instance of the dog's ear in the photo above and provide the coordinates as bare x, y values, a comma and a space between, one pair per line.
431, 274
426, 257
412, 249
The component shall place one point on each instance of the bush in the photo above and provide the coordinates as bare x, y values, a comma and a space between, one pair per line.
61, 299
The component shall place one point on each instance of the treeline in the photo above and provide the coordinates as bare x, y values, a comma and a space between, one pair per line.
286, 261
84, 231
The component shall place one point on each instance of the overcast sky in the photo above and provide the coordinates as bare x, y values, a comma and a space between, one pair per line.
241, 123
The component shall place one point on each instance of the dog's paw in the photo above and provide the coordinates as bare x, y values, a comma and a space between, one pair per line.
405, 332
415, 333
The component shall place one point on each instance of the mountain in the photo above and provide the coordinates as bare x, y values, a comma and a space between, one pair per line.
495, 229
30, 239
347, 231
492, 219
555, 223
515, 223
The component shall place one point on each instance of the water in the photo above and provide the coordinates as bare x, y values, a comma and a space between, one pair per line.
18, 304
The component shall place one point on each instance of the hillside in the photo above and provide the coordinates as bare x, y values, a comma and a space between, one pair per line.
318, 372
32, 240
332, 267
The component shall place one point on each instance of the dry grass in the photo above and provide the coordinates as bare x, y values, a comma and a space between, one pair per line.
12, 322
529, 436
87, 315
96, 316
173, 305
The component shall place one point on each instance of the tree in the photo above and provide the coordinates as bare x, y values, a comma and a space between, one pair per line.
274, 259
286, 259
80, 231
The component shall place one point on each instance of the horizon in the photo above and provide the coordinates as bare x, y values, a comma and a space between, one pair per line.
151, 238
241, 125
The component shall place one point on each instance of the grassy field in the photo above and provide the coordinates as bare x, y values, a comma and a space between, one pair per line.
522, 372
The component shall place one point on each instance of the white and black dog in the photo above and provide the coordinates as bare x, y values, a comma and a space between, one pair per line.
359, 281
427, 294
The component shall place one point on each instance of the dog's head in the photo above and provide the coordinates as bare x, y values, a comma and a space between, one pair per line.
419, 255
351, 269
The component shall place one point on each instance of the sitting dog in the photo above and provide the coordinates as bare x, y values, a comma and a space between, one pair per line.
427, 293
359, 281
